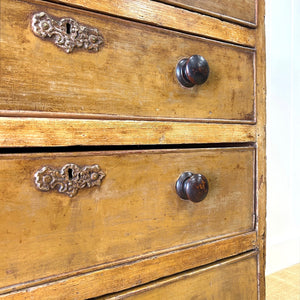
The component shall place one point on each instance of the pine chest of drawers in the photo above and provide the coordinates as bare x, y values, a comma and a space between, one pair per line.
132, 142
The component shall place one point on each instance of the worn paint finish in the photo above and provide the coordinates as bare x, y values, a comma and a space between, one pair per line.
69, 267
134, 212
224, 280
17, 132
132, 76
240, 11
167, 16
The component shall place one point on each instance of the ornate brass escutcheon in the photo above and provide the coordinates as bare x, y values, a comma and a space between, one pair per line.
66, 33
69, 179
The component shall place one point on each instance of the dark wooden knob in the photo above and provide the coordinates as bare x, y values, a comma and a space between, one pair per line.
192, 187
193, 70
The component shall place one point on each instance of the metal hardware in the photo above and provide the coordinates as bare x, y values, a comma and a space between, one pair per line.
69, 179
66, 33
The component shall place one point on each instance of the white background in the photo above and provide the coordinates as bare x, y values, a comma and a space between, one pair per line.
283, 133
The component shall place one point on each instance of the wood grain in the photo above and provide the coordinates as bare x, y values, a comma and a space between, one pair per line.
31, 132
113, 279
136, 211
261, 142
232, 279
159, 14
48, 255
240, 11
133, 75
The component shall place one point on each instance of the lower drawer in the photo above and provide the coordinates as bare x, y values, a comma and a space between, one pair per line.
134, 213
232, 279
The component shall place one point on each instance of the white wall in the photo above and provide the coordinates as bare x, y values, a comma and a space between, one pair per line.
283, 133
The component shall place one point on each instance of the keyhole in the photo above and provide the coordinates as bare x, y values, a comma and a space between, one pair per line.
68, 25
70, 173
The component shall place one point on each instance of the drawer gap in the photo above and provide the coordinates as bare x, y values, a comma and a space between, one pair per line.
8, 150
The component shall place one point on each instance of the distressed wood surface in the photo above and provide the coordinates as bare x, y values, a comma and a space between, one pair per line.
232, 279
152, 12
30, 132
132, 75
261, 146
240, 11
135, 211
114, 279
44, 127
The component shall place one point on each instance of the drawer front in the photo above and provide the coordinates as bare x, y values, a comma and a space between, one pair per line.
242, 11
131, 76
134, 212
232, 279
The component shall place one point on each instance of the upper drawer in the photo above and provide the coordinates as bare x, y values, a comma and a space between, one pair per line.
131, 76
133, 214
241, 11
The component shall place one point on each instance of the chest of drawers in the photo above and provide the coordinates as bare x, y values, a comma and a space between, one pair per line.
132, 142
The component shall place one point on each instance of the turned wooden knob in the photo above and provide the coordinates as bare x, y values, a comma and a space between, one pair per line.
193, 70
192, 187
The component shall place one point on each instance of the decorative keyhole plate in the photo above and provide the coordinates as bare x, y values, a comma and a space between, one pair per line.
69, 179
66, 33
